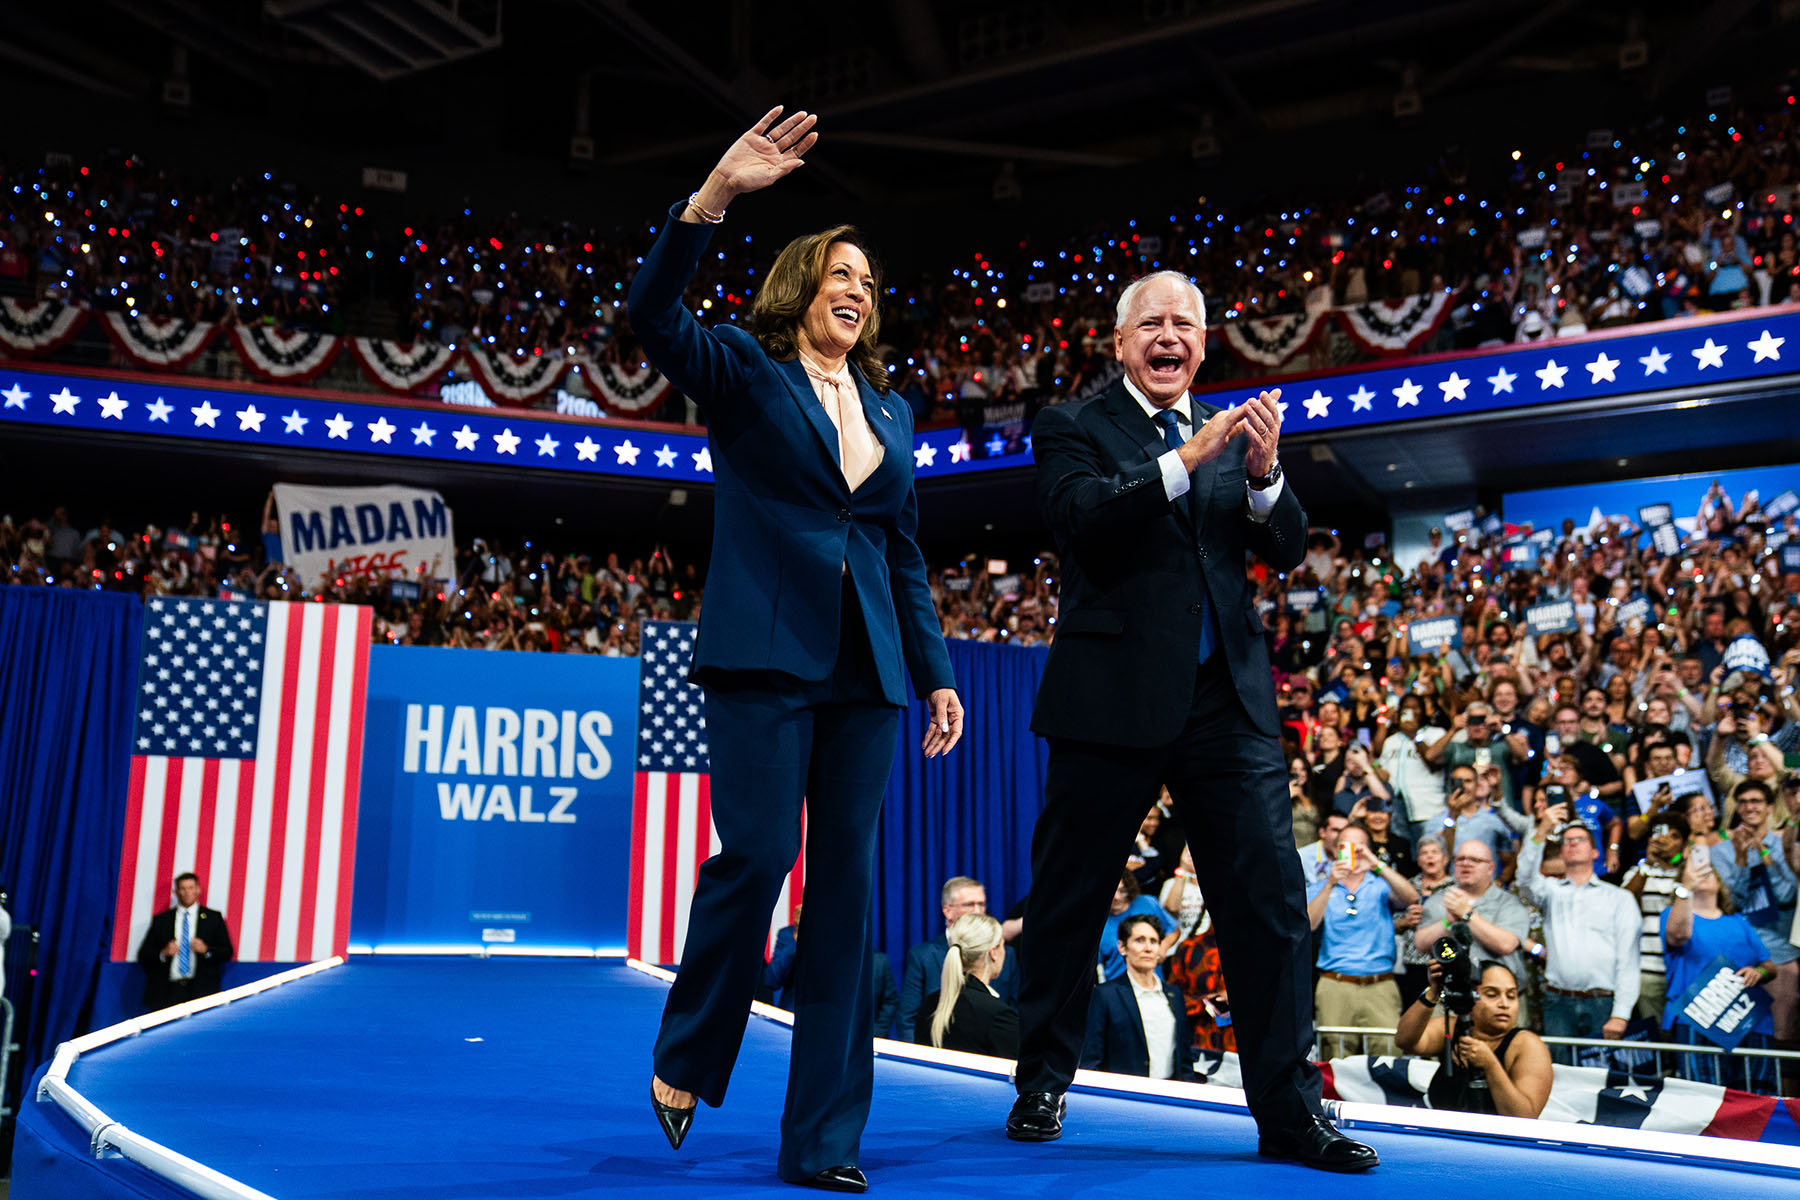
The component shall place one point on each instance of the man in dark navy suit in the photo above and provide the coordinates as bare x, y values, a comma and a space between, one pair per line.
1160, 675
184, 950
1138, 1023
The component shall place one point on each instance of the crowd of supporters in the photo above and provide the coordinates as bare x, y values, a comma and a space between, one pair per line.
1677, 216
1465, 772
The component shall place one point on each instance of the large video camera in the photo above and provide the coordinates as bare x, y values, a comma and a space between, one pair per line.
1454, 955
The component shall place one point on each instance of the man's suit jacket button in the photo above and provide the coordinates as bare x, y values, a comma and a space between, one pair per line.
1197, 609
843, 514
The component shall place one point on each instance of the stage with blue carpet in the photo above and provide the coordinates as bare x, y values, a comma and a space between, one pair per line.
470, 1079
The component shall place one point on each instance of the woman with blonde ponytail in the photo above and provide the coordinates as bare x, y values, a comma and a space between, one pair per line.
966, 1016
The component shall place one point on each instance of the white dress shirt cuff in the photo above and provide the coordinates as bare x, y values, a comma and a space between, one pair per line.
1263, 503
1176, 480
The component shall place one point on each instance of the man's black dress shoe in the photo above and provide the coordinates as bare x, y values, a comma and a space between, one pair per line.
1317, 1143
837, 1179
675, 1122
1036, 1117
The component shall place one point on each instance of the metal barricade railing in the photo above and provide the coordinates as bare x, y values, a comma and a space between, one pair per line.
6, 1050
1737, 1068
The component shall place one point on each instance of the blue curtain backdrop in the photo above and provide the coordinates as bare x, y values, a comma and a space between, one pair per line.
67, 669
970, 813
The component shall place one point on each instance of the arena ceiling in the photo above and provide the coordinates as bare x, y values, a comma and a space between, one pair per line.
918, 97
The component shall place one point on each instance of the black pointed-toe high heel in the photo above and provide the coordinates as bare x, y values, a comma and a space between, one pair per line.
675, 1122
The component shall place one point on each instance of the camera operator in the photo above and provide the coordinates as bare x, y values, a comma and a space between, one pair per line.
1494, 1065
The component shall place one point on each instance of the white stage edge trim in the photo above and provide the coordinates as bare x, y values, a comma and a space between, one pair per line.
107, 1135
1689, 1147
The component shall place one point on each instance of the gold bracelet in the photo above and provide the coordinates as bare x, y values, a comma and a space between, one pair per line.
711, 218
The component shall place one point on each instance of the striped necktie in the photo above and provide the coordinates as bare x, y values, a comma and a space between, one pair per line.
1209, 621
184, 949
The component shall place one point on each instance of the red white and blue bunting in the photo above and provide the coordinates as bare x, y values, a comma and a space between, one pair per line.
399, 366
515, 378
623, 392
1271, 341
1395, 326
32, 329
277, 356
159, 342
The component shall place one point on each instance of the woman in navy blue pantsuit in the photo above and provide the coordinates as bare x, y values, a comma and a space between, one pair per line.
816, 608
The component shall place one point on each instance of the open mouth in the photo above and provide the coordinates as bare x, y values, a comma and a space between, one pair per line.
1162, 363
848, 316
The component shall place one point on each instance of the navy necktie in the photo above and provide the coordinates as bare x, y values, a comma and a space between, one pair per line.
1209, 621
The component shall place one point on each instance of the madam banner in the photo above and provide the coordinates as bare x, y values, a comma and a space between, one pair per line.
386, 532
498, 800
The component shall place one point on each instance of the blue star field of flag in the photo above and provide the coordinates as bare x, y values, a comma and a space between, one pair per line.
200, 678
671, 712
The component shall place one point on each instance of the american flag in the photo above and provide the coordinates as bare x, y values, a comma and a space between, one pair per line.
245, 764
671, 826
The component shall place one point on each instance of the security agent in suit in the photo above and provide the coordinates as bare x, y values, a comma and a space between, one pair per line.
1160, 674
1138, 1024
959, 896
817, 607
170, 976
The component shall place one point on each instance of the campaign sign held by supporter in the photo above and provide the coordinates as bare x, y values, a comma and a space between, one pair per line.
1519, 556
1720, 1007
1745, 653
1782, 505
497, 799
1432, 633
1460, 520
1680, 783
1790, 559
1652, 515
382, 532
1302, 600
1558, 616
1635, 609
1666, 540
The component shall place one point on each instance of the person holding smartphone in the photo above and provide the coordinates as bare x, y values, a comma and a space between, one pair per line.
1357, 985
1476, 740
1360, 781
1702, 923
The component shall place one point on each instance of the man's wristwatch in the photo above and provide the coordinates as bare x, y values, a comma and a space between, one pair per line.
1262, 483
1681, 893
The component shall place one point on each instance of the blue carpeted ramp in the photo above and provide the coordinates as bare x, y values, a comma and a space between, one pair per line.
465, 1079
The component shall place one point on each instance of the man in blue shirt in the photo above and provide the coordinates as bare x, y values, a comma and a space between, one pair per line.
1472, 817
1356, 955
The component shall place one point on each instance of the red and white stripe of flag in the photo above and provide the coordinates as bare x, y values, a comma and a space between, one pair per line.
672, 834
273, 838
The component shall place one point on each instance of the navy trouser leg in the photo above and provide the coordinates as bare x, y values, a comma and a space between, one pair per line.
831, 1077
1095, 798
761, 746
1229, 782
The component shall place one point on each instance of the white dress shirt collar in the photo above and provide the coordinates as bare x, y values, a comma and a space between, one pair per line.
1183, 407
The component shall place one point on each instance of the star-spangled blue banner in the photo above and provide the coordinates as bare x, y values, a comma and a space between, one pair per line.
1758, 344
1761, 343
